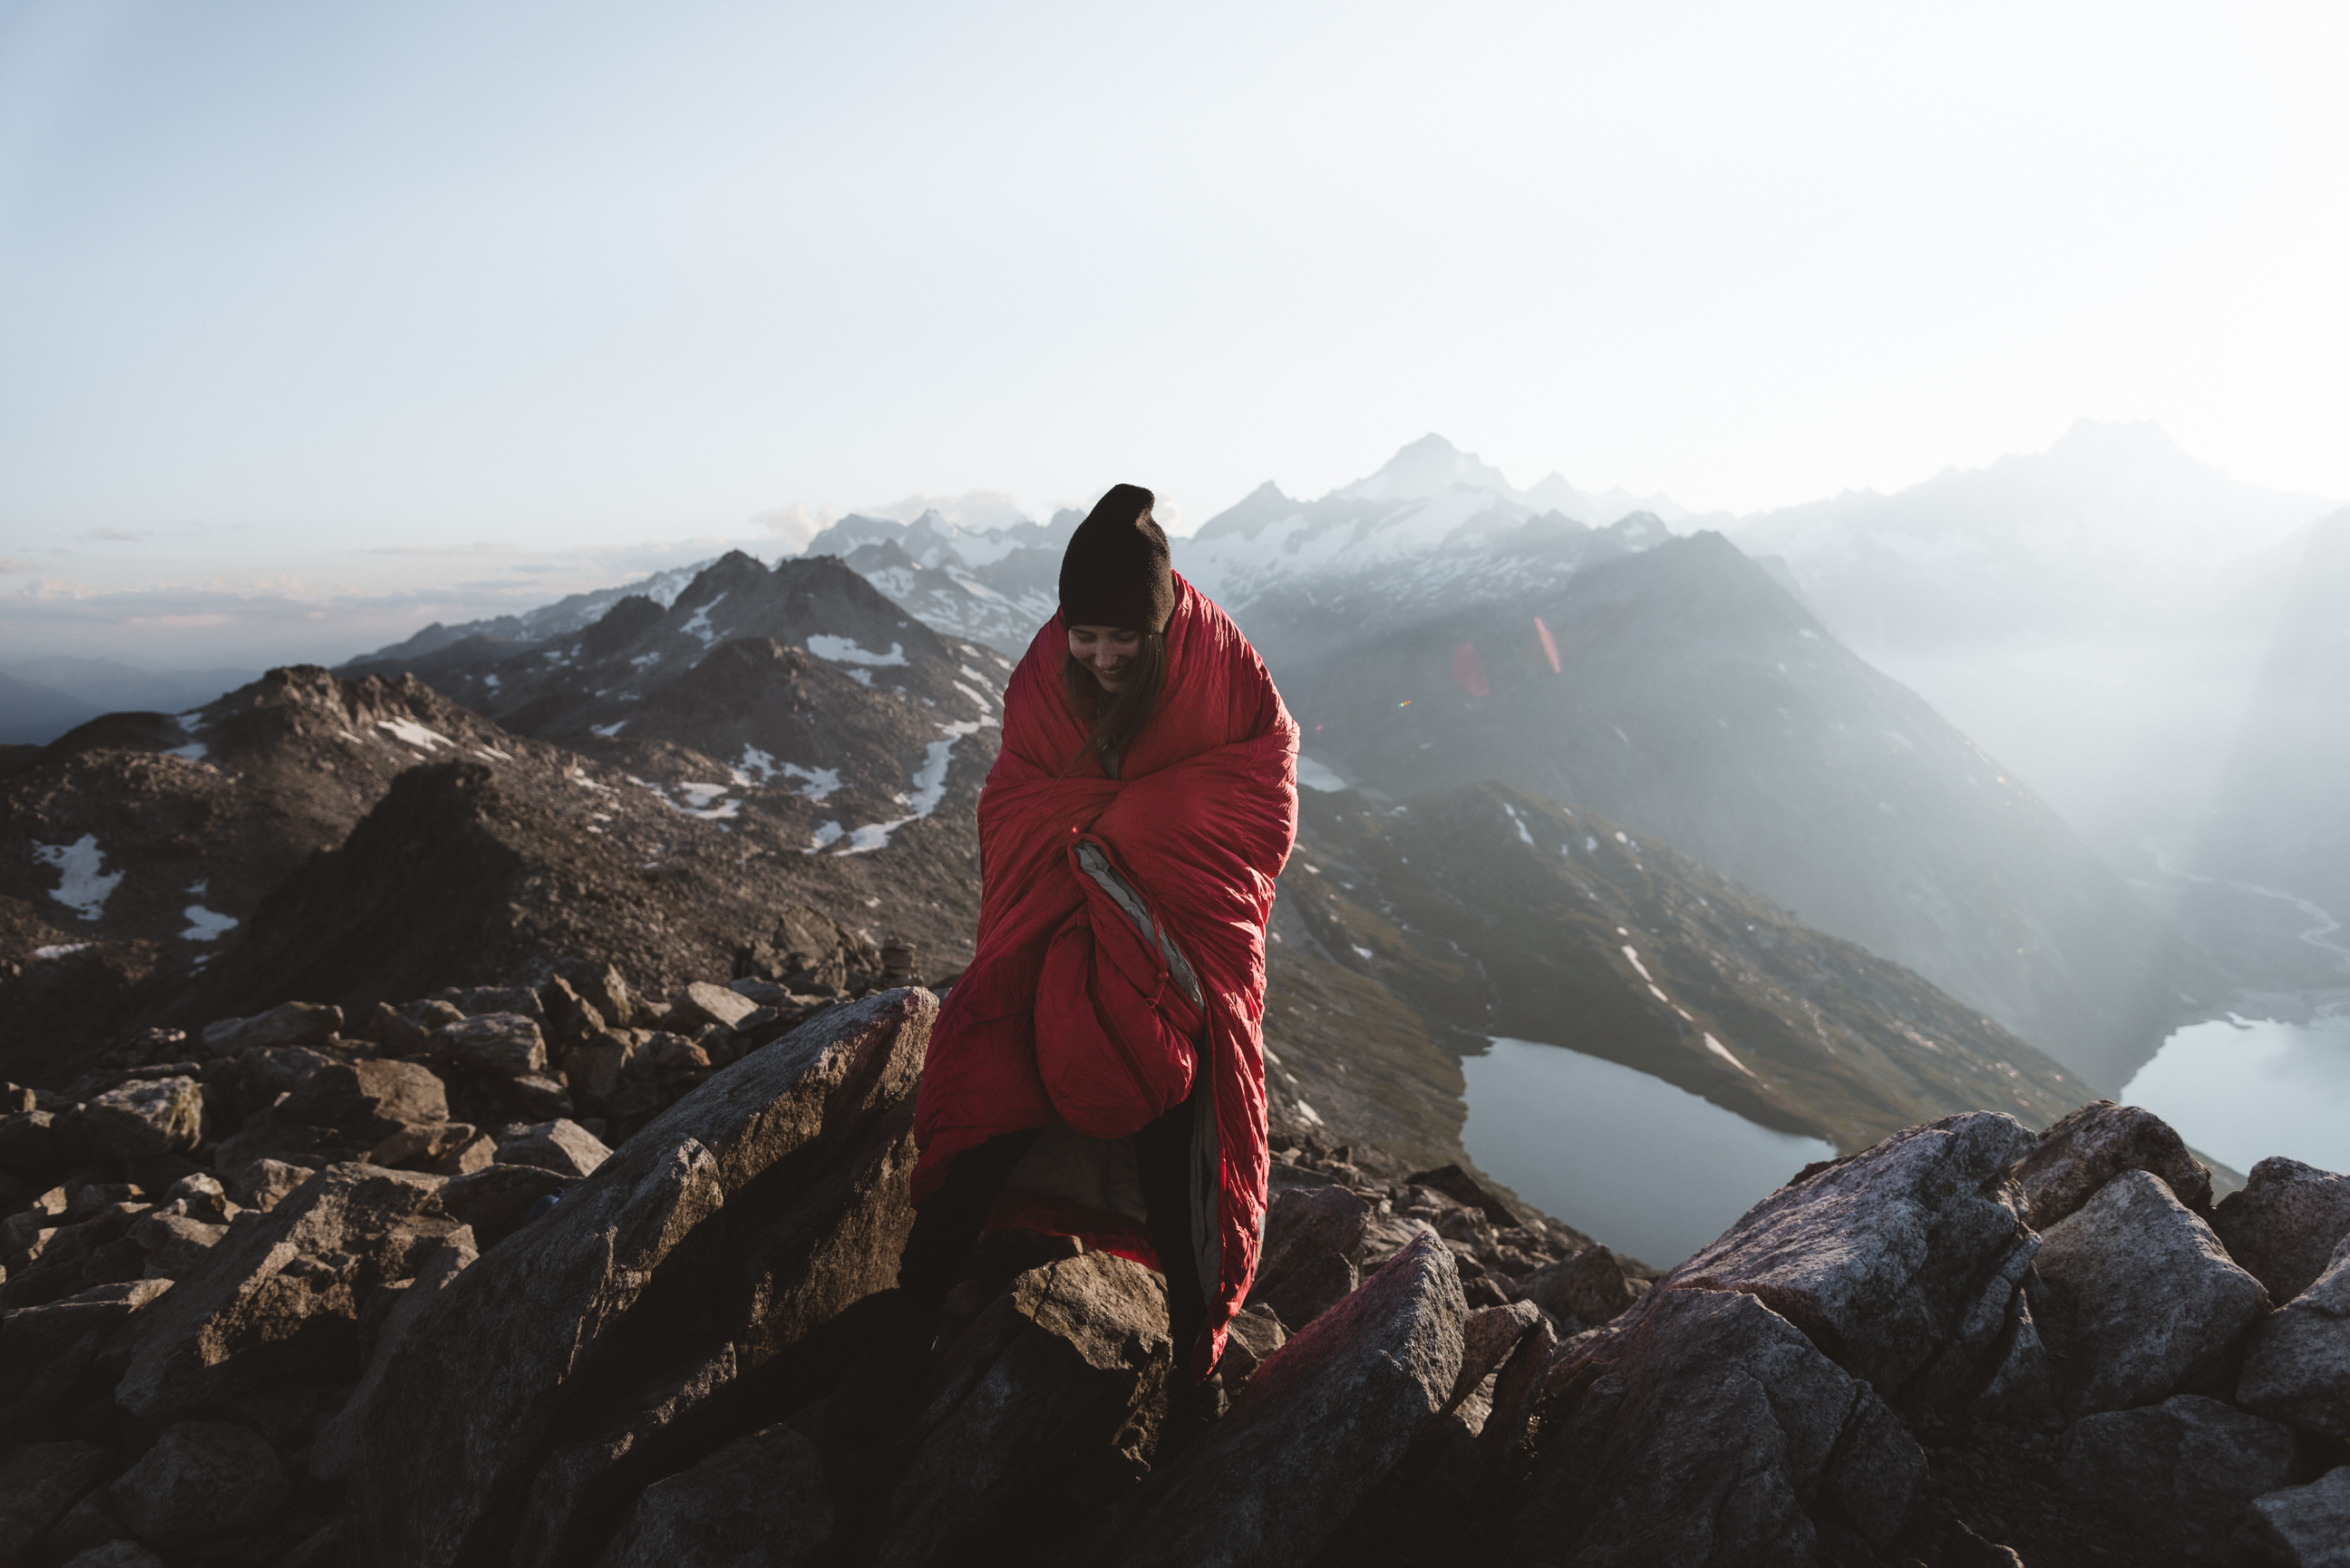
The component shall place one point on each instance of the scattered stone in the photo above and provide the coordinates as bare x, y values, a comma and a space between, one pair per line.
592, 1071
501, 1044
277, 1297
1713, 1432
2308, 1526
338, 1442
2087, 1149
140, 1120
2185, 1470
2298, 1367
174, 1244
575, 1498
1464, 1189
443, 1149
1905, 1253
291, 1024
1317, 1427
479, 1392
1041, 1384
2283, 1228
761, 1500
1499, 1444
1254, 1335
202, 1196
496, 1199
564, 1147
2141, 1297
38, 1482
703, 1003
1488, 1336
369, 1100
1305, 1290
2023, 1382
1589, 1288
265, 1183
1305, 1225
1385, 1235
202, 1478
265, 1074
535, 1097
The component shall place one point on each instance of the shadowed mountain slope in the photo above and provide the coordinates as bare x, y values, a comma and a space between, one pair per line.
1696, 702
1490, 911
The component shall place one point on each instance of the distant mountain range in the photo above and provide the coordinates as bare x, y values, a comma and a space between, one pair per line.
1436, 630
781, 760
2113, 529
41, 699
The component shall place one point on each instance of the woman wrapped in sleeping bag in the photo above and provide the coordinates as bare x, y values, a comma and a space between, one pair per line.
1098, 1070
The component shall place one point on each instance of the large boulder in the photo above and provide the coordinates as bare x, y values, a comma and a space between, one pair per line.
279, 1297
2140, 1298
289, 1023
2307, 1526
496, 1045
747, 1214
1319, 1423
2087, 1149
2185, 1470
1714, 1432
762, 1502
335, 1448
369, 1100
1899, 1260
1302, 1226
1036, 1391
575, 1498
1590, 1287
150, 1116
704, 1004
202, 1478
563, 1147
2283, 1228
2298, 1367
1488, 1336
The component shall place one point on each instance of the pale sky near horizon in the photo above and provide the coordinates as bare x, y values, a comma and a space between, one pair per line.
366, 297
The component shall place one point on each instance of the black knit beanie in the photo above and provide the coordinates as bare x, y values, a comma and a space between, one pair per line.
1117, 571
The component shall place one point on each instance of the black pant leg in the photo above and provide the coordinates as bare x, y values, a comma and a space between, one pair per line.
947, 1222
1163, 1158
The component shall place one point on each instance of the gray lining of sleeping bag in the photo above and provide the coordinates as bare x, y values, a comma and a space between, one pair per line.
1096, 866
1207, 1152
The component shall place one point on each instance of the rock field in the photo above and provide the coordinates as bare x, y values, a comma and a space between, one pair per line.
576, 1276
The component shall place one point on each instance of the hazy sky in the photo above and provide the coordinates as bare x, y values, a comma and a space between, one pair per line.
283, 284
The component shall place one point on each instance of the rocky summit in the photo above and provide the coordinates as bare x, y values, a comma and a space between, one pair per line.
576, 1275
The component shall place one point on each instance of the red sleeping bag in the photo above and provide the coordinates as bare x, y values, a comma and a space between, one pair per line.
1069, 1014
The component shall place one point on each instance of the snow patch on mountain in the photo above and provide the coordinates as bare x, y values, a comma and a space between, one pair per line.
83, 883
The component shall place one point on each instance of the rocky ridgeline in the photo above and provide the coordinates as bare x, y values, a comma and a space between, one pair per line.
386, 1297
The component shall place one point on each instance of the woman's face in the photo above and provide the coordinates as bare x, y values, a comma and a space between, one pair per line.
1108, 651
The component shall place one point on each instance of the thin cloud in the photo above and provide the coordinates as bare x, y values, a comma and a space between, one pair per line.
118, 535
